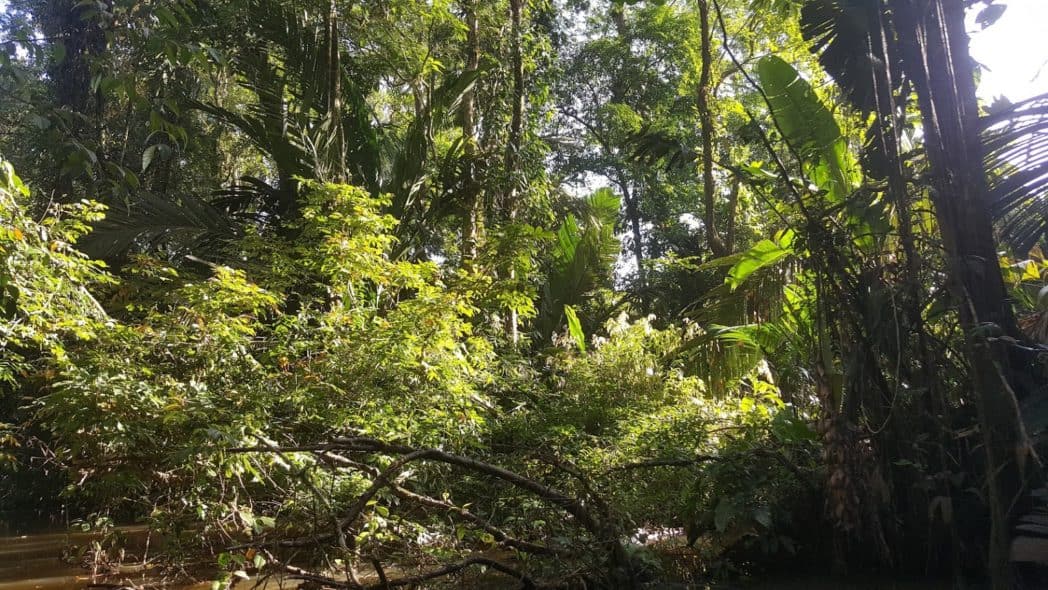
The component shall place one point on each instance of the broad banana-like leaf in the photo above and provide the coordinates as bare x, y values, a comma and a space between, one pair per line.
809, 127
762, 255
575, 327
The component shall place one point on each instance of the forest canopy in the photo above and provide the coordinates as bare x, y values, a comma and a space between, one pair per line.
522, 293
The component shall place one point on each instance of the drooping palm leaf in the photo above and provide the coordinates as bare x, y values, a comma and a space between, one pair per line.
1016, 144
846, 36
412, 153
857, 46
286, 62
151, 221
652, 146
742, 318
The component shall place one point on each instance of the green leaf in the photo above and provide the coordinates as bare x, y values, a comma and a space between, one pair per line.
148, 156
763, 516
575, 327
763, 254
809, 127
568, 237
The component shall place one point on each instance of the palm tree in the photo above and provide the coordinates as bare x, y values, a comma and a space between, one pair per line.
309, 118
879, 52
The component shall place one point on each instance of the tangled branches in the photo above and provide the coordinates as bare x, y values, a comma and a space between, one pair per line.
588, 513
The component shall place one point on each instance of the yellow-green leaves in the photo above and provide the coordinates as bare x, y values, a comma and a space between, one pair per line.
762, 255
575, 327
44, 281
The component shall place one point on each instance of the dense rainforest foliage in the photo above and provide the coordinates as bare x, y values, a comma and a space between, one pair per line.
383, 293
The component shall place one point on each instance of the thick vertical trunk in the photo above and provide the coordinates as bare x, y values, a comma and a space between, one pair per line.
66, 22
937, 59
334, 98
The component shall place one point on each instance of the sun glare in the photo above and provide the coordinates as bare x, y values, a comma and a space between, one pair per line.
1012, 51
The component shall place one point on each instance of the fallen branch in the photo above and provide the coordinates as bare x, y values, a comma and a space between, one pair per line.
682, 462
296, 573
600, 528
409, 454
699, 459
498, 534
447, 570
570, 505
403, 493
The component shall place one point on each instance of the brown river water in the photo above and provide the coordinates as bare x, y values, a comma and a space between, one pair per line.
34, 562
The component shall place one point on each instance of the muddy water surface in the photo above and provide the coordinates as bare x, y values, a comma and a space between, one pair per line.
35, 562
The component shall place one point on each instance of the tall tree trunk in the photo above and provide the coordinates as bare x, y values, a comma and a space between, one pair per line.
937, 59
733, 208
472, 210
516, 133
516, 126
66, 22
709, 187
891, 113
334, 98
629, 197
633, 215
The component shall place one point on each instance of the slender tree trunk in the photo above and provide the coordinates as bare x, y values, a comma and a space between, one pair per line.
709, 187
516, 133
891, 120
633, 213
618, 18
516, 126
937, 59
629, 197
733, 208
472, 210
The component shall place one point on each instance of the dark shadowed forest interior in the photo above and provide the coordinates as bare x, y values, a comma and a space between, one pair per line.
578, 294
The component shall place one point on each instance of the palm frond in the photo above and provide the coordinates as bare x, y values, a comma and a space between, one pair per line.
1016, 147
286, 62
411, 154
583, 256
652, 146
845, 34
152, 222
